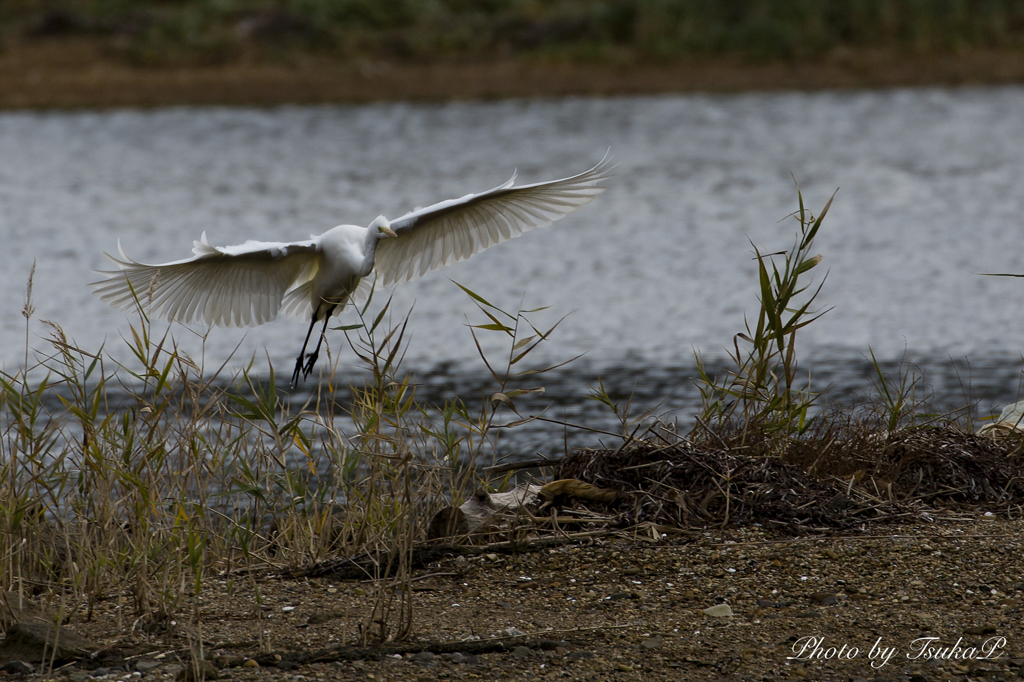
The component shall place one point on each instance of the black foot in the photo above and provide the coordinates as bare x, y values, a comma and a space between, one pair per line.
310, 363
304, 371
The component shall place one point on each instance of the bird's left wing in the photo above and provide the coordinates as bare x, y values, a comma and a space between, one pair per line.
229, 286
449, 231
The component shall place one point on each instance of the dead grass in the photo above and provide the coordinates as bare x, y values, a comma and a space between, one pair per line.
836, 480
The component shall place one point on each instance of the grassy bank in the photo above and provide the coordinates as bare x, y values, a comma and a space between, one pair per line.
104, 53
140, 478
195, 32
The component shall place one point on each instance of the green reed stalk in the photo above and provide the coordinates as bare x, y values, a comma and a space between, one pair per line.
764, 390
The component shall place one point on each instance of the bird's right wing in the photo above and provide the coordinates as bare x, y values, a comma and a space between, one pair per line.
229, 286
449, 231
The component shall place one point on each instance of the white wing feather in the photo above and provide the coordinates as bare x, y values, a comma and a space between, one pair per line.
231, 286
433, 237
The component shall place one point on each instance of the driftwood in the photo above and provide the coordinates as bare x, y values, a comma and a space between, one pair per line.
35, 634
38, 642
1010, 422
485, 512
479, 646
481, 509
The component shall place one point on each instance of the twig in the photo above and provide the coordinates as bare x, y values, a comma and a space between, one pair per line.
542, 640
707, 428
524, 464
425, 576
559, 422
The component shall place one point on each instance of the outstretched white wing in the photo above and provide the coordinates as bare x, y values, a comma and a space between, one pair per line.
449, 231
229, 286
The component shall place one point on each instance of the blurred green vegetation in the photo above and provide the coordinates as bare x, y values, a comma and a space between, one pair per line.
626, 31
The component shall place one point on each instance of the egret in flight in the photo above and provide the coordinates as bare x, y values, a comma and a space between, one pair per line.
249, 284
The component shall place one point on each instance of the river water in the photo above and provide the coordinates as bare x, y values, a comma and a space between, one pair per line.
928, 190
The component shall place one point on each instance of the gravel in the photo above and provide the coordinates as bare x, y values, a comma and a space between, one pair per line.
937, 600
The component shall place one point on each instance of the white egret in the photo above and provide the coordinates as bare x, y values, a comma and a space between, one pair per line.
250, 283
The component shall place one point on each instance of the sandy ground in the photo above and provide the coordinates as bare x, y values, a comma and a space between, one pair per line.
937, 599
73, 73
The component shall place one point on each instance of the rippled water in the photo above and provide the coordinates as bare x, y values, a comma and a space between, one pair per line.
929, 195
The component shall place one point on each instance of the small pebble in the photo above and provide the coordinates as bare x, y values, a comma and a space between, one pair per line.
981, 630
653, 643
145, 665
824, 598
718, 611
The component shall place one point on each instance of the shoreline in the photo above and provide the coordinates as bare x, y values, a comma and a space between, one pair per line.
80, 74
737, 605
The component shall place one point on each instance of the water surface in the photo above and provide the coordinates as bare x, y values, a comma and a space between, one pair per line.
929, 195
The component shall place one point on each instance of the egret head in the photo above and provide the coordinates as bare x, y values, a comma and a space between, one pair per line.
382, 227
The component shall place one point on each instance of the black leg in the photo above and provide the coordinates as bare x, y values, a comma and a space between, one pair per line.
311, 360
302, 353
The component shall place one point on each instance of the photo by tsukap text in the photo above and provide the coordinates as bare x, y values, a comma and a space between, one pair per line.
818, 648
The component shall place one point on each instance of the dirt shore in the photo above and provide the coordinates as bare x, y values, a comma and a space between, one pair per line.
937, 599
82, 73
